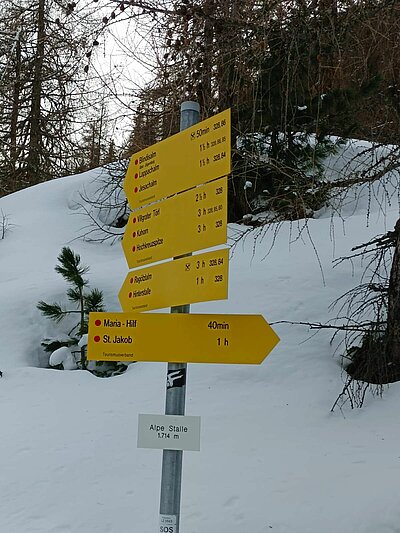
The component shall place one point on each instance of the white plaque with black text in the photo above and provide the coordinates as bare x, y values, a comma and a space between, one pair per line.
169, 432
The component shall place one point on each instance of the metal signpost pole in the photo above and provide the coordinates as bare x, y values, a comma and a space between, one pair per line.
171, 476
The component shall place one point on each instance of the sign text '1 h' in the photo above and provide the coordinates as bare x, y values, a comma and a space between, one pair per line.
192, 338
184, 223
198, 278
195, 155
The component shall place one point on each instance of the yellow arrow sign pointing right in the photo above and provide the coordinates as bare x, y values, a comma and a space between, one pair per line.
195, 155
191, 338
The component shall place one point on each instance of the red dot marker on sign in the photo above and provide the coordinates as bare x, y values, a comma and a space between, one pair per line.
96, 339
136, 189
133, 248
130, 295
136, 161
134, 220
134, 234
98, 322
131, 280
136, 176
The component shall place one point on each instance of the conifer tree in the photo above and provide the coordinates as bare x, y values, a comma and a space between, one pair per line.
84, 302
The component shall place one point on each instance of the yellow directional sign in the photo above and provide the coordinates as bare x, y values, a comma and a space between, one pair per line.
184, 223
198, 278
191, 157
192, 338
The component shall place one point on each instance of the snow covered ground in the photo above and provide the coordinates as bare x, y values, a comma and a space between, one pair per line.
273, 457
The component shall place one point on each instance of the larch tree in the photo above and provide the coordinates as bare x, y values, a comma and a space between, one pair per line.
41, 91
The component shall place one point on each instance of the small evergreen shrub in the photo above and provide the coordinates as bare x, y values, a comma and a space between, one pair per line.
287, 173
68, 351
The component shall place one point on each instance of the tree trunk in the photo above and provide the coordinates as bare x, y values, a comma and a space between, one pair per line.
35, 144
15, 111
393, 318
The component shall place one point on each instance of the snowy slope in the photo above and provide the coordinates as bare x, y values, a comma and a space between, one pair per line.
273, 457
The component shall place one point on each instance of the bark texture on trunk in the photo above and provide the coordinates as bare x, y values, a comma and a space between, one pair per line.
393, 319
35, 144
15, 112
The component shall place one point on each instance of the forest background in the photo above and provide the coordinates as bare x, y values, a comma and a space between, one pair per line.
71, 71
89, 83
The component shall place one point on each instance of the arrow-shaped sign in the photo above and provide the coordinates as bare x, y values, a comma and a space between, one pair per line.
190, 221
198, 278
196, 155
192, 338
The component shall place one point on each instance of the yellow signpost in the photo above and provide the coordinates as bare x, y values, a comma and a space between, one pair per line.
197, 278
177, 190
192, 338
193, 156
184, 223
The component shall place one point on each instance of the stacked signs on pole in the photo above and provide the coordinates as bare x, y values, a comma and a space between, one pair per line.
177, 210
177, 190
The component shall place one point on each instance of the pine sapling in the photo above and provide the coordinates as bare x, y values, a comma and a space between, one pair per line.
85, 301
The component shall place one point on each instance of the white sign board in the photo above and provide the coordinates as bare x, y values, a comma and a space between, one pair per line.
169, 432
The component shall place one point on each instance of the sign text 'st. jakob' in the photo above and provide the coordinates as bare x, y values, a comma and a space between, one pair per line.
191, 338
